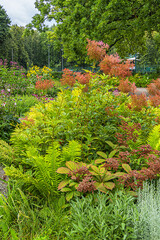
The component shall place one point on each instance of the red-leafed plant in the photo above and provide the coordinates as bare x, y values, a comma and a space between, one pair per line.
68, 77
154, 100
44, 84
154, 87
138, 102
126, 86
112, 65
96, 50
83, 178
128, 132
140, 164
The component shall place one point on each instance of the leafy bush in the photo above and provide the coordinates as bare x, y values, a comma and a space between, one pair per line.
114, 66
140, 80
13, 77
37, 171
100, 216
10, 111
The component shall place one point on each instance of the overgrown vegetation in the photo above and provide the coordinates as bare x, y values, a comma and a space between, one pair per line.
78, 153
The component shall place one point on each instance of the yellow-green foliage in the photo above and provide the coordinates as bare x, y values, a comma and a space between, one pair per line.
39, 172
154, 137
6, 153
73, 115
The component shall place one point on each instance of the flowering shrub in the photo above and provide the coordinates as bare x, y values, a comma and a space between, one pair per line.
154, 87
68, 78
138, 102
44, 84
128, 133
13, 77
96, 50
44, 73
85, 178
154, 100
113, 66
141, 164
126, 86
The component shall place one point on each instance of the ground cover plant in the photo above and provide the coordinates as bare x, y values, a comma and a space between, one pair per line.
78, 142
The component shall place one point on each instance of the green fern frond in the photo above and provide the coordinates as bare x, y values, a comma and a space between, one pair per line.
72, 152
6, 153
154, 138
42, 178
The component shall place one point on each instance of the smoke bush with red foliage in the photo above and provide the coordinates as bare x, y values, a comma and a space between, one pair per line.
138, 102
112, 65
154, 87
126, 86
44, 84
154, 100
68, 77
96, 50
83, 78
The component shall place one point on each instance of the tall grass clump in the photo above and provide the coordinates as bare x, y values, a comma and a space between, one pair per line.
147, 225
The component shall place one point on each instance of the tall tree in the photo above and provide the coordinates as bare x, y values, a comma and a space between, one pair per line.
4, 29
120, 23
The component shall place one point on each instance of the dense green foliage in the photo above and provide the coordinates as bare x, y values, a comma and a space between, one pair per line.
114, 22
4, 25
76, 137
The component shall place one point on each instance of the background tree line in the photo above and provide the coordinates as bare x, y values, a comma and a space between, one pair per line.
129, 27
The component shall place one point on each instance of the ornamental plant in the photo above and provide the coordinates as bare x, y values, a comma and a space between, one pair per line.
70, 78
112, 65
102, 216
126, 86
138, 102
33, 72
86, 178
140, 164
154, 87
96, 50
13, 77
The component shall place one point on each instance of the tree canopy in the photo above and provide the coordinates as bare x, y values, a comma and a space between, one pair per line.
120, 23
4, 24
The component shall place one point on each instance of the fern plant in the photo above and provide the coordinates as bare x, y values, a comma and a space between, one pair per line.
6, 153
39, 172
154, 138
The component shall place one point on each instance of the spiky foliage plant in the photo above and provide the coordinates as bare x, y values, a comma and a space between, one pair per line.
147, 221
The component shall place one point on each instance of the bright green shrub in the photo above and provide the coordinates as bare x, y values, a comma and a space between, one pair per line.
154, 137
24, 103
37, 172
73, 115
